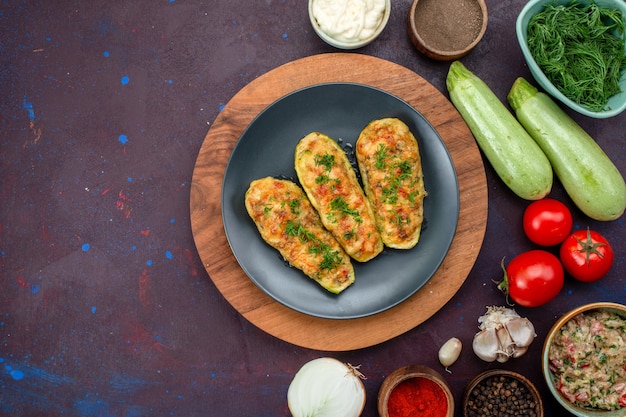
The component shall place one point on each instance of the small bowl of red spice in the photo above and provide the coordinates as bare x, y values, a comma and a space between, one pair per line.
415, 390
446, 29
498, 392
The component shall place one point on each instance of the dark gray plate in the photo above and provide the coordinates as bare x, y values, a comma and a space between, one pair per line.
266, 148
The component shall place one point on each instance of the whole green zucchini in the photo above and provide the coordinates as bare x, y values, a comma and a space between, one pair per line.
514, 155
590, 178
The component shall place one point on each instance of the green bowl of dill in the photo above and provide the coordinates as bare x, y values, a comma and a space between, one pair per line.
576, 51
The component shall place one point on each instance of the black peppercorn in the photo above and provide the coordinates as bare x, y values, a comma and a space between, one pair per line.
500, 396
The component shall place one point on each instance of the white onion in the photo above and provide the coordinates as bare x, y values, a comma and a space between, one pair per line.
326, 387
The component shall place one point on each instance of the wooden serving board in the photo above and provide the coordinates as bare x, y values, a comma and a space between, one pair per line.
219, 261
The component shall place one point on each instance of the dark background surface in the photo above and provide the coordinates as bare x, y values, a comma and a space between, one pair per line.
105, 307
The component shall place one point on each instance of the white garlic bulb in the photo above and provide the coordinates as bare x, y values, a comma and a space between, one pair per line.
503, 334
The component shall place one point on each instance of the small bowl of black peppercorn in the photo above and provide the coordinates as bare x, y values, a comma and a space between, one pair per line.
496, 393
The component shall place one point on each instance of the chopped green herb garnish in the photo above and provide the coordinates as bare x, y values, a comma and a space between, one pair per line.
339, 204
295, 229
390, 194
321, 179
294, 206
381, 155
330, 259
405, 169
350, 234
580, 49
399, 220
327, 160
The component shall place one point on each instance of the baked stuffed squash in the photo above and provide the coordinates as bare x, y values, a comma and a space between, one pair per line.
390, 165
287, 222
330, 182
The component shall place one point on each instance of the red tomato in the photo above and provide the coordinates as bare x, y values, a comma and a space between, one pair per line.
532, 278
547, 222
586, 255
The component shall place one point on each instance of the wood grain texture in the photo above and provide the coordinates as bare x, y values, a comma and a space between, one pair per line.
252, 302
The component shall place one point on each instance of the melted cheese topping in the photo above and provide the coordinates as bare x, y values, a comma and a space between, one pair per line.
287, 222
390, 165
333, 189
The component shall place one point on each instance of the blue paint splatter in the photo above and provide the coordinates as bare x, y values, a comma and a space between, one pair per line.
285, 36
35, 289
28, 106
125, 80
168, 254
134, 247
130, 179
172, 221
85, 247
149, 263
123, 139
222, 107
93, 310
91, 407
17, 375
105, 54
170, 81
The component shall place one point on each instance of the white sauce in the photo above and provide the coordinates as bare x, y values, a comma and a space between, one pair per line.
349, 20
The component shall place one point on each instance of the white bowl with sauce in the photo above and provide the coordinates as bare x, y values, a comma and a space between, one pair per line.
550, 377
349, 24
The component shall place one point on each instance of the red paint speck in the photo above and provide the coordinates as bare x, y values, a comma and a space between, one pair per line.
189, 257
144, 285
123, 205
106, 190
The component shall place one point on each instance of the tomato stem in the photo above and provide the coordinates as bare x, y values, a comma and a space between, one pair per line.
589, 247
503, 284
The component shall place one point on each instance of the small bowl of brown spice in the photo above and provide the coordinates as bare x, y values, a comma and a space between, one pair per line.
446, 29
498, 392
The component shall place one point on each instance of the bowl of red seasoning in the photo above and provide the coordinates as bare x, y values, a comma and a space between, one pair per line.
415, 390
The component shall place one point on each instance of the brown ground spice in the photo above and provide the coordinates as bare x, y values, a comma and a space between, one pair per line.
448, 25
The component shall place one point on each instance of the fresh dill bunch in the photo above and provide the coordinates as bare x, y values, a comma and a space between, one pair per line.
580, 49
